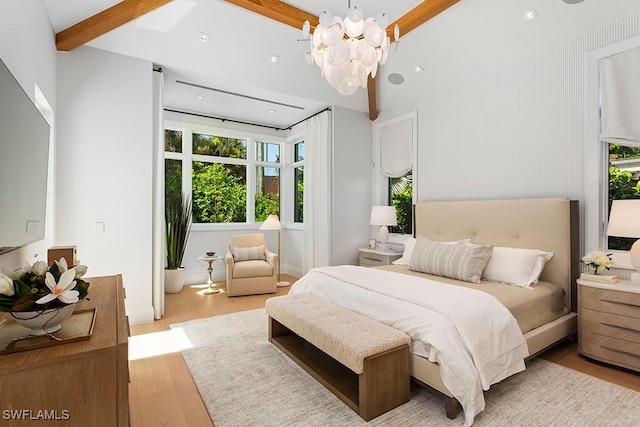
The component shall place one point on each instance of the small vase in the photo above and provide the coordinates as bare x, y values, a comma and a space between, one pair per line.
44, 322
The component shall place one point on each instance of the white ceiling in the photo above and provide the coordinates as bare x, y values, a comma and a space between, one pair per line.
470, 37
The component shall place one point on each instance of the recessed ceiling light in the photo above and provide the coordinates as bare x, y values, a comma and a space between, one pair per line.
274, 58
531, 14
418, 68
395, 79
272, 111
204, 37
200, 97
572, 1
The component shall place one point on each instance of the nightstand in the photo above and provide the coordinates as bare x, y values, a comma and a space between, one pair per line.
609, 323
374, 257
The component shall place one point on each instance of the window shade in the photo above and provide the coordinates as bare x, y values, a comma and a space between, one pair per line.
396, 143
620, 97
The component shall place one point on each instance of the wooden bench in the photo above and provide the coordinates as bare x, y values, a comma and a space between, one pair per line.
363, 362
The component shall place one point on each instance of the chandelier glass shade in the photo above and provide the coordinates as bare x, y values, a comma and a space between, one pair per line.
349, 50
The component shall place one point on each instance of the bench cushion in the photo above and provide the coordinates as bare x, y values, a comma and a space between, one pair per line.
346, 336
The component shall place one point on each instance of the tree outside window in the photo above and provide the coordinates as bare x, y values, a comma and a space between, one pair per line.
298, 181
401, 196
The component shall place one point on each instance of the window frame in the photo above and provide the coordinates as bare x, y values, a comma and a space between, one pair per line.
381, 182
595, 207
288, 181
251, 163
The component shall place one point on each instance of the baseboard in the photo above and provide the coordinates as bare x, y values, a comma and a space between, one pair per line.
293, 271
139, 316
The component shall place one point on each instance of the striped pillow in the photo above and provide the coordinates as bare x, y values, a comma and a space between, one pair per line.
461, 261
248, 253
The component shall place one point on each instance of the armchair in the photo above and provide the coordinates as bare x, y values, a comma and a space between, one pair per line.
251, 267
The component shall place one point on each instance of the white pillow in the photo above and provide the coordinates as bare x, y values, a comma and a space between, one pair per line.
515, 266
410, 244
543, 258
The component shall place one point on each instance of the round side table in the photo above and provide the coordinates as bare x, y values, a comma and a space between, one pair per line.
209, 260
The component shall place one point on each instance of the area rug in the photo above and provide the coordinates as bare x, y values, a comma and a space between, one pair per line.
245, 381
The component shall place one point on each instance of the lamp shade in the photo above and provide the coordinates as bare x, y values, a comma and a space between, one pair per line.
624, 219
271, 223
383, 215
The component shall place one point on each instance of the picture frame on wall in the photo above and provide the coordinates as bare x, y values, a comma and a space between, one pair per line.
372, 243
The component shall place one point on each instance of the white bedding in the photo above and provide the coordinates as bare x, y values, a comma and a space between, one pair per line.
470, 334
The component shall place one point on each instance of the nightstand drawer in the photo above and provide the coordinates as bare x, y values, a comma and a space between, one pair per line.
372, 260
610, 301
612, 325
611, 350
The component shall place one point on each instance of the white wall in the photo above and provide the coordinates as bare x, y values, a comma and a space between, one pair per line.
518, 130
27, 47
352, 186
104, 168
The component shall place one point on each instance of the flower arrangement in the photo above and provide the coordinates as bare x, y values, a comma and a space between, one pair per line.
598, 260
38, 287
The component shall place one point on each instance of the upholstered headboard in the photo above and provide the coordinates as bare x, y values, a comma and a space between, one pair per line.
545, 224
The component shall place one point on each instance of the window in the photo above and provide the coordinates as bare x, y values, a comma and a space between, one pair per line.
624, 183
233, 179
401, 196
267, 192
298, 181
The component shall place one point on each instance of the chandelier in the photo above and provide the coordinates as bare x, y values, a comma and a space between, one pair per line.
349, 50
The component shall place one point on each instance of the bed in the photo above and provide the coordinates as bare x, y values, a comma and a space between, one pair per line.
542, 224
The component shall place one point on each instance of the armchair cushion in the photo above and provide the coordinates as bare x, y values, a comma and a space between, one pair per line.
247, 253
252, 268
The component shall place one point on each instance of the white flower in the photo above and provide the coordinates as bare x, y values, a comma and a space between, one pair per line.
81, 270
62, 265
39, 268
6, 285
61, 290
8, 272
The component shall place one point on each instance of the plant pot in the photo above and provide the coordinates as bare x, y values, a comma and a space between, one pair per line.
173, 280
44, 322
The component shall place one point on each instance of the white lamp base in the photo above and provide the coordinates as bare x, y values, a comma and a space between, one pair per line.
283, 284
383, 234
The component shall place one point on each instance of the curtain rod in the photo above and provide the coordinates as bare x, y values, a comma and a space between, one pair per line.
246, 123
313, 115
223, 119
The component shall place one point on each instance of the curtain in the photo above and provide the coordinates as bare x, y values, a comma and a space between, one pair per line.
158, 250
620, 97
317, 192
396, 147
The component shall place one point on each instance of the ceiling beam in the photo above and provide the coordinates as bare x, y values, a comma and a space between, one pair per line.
371, 91
420, 14
278, 11
103, 22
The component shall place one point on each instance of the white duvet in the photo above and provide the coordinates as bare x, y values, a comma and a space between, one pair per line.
470, 334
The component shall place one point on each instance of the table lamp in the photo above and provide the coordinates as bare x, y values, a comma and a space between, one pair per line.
273, 223
383, 216
624, 221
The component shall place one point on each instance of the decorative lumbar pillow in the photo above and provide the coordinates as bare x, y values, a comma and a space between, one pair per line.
409, 246
515, 266
248, 253
461, 261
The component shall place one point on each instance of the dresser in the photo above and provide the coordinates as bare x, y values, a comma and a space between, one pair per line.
86, 382
374, 257
609, 323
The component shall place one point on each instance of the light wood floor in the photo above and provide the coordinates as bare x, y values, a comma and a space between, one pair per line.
162, 392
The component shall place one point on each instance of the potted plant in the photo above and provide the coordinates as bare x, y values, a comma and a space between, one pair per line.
177, 222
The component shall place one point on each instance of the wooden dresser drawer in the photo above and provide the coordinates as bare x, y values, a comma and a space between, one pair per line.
612, 325
368, 259
610, 301
611, 350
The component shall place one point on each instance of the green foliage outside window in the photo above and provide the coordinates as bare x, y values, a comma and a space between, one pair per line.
401, 196
219, 194
623, 184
